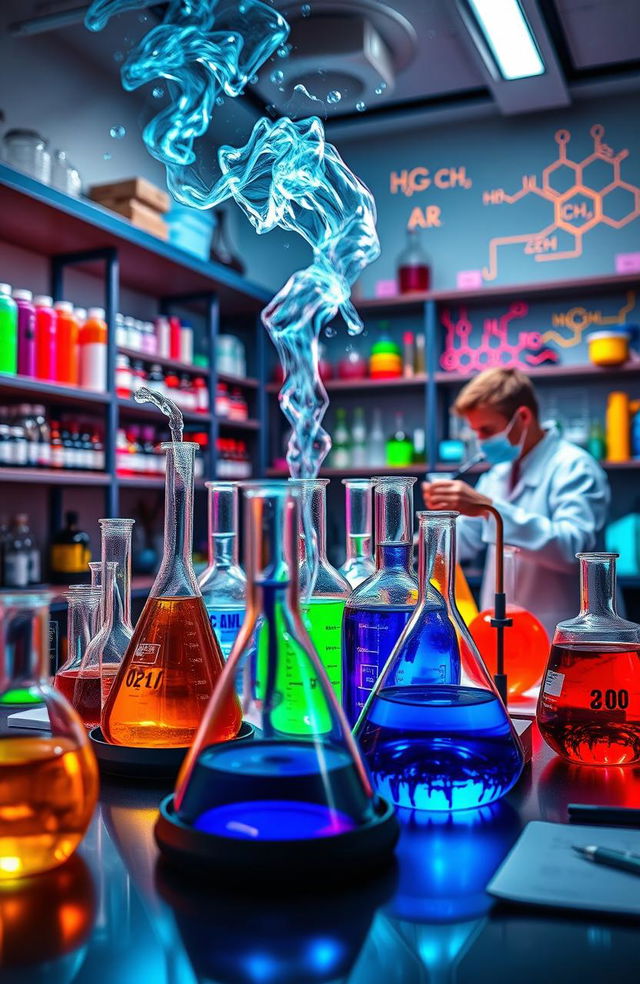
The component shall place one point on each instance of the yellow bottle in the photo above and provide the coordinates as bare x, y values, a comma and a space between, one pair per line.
618, 427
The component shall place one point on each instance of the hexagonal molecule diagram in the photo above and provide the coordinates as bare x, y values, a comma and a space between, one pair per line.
583, 194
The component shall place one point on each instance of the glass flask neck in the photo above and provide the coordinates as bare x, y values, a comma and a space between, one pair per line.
24, 640
271, 524
394, 522
598, 584
223, 524
176, 577
116, 548
312, 499
358, 519
437, 554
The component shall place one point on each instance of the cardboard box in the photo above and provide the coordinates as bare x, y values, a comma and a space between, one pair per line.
139, 188
139, 215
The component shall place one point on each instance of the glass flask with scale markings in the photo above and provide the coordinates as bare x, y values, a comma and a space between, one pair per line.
223, 584
434, 732
173, 659
359, 563
380, 607
297, 797
589, 703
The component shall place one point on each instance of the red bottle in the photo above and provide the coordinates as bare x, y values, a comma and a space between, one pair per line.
46, 335
174, 338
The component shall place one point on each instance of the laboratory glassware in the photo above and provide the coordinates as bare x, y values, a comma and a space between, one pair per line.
379, 608
323, 589
101, 658
526, 644
116, 548
589, 703
173, 659
48, 782
359, 563
434, 732
223, 584
297, 798
83, 607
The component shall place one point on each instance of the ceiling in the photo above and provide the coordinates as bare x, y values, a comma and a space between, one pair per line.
430, 61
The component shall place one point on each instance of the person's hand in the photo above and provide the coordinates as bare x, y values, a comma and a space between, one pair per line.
456, 495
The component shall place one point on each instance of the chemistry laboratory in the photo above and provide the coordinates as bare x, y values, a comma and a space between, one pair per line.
319, 492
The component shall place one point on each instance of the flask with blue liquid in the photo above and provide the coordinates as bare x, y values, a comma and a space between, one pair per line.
434, 732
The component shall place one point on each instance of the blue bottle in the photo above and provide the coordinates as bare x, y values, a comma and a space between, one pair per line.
434, 732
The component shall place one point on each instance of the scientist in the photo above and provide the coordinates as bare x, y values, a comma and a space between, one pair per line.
552, 495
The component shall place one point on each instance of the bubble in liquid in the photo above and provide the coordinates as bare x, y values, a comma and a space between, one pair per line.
305, 9
107, 155
118, 56
277, 77
360, 106
117, 132
142, 18
253, 80
158, 92
334, 96
380, 88
219, 101
329, 331
283, 51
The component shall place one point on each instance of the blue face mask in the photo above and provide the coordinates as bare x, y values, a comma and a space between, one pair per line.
498, 449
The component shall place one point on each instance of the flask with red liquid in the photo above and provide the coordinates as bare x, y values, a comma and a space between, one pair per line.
414, 273
589, 704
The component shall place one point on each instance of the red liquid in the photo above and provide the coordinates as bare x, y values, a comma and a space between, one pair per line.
589, 705
413, 278
526, 648
86, 693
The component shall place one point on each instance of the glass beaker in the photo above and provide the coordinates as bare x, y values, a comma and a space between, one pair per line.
173, 659
526, 643
359, 563
223, 584
434, 732
323, 590
589, 703
48, 783
101, 659
83, 606
279, 800
379, 608
115, 535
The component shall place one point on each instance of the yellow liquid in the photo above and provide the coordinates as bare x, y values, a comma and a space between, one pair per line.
48, 789
166, 679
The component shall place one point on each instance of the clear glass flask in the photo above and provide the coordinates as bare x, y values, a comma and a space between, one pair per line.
83, 608
115, 537
434, 732
359, 563
589, 703
526, 643
298, 794
323, 589
223, 584
173, 659
48, 782
101, 659
379, 608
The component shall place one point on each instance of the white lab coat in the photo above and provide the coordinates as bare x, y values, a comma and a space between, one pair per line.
557, 509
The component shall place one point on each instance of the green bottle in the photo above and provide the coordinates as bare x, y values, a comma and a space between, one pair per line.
8, 331
399, 446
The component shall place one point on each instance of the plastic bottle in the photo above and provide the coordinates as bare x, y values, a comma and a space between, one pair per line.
46, 336
26, 332
93, 352
186, 343
163, 336
67, 362
124, 377
174, 338
8, 331
618, 427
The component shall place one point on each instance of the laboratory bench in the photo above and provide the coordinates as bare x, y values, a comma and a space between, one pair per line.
115, 913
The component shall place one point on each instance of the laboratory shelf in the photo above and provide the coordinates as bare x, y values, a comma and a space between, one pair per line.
53, 476
44, 220
413, 470
355, 385
238, 425
149, 482
160, 360
247, 382
555, 373
130, 408
18, 387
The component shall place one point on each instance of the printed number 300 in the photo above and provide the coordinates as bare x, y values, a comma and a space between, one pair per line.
612, 699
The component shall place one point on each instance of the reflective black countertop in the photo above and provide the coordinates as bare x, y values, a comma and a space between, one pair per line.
116, 914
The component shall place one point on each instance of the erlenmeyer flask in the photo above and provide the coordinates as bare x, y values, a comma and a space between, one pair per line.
83, 605
323, 591
434, 732
359, 563
526, 644
173, 659
296, 798
48, 783
223, 584
379, 608
589, 703
464, 597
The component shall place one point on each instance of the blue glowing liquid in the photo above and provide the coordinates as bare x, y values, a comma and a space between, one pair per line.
369, 636
440, 747
274, 790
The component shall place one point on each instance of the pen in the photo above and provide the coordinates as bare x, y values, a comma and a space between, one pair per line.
625, 860
616, 815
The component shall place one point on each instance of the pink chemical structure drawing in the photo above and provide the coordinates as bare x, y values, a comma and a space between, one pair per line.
494, 348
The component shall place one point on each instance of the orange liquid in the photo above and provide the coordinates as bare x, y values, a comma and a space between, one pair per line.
86, 692
48, 789
526, 648
166, 679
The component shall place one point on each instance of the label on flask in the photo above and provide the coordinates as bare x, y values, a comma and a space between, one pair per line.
147, 653
226, 623
553, 683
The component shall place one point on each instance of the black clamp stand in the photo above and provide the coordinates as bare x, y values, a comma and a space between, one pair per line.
500, 621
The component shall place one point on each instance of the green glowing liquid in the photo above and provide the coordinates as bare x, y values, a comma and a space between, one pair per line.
21, 695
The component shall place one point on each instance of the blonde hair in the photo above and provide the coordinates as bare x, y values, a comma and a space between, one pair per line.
503, 390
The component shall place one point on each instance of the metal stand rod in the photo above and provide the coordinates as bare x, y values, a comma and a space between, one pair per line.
500, 621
